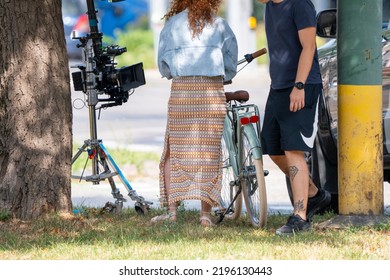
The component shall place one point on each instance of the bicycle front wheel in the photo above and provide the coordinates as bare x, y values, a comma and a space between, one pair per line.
253, 185
229, 187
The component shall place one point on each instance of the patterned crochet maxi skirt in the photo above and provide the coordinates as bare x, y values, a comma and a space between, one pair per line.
196, 113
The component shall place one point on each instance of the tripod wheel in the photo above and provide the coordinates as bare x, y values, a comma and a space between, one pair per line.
109, 208
141, 209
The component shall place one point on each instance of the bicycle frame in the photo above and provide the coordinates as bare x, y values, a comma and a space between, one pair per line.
233, 116
232, 134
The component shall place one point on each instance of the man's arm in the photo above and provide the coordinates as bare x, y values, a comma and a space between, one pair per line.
307, 37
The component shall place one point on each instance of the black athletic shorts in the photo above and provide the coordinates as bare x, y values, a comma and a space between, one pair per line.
284, 130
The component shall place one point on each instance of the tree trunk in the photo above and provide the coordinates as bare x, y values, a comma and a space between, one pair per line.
35, 110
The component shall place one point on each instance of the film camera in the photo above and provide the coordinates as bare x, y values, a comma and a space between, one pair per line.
99, 78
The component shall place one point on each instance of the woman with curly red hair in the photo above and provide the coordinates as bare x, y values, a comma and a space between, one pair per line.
198, 52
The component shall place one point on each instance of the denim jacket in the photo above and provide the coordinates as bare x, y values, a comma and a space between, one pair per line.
212, 53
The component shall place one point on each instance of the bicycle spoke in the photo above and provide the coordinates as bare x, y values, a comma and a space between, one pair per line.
253, 186
229, 187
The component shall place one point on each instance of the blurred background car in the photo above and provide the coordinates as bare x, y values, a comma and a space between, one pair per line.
115, 17
112, 17
73, 15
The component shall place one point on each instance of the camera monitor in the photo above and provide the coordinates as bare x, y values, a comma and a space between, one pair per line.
130, 77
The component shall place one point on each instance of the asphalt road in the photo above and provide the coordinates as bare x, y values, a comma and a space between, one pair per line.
140, 124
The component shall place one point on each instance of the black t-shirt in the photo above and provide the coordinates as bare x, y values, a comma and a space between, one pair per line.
282, 22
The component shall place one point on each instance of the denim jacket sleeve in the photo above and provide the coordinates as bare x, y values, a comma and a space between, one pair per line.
213, 53
230, 55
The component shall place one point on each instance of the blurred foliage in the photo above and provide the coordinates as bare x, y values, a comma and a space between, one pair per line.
139, 40
140, 48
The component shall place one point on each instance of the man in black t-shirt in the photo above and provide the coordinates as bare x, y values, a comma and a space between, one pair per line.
291, 113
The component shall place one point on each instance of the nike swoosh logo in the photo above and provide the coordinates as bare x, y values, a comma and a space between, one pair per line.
309, 141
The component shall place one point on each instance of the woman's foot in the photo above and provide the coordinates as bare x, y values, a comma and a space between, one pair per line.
205, 219
171, 216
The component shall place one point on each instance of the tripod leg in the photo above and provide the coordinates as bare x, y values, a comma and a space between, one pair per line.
80, 151
77, 155
141, 205
117, 207
116, 168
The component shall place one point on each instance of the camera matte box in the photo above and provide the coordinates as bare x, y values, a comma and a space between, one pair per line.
130, 77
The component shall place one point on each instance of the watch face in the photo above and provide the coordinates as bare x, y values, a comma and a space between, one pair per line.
299, 85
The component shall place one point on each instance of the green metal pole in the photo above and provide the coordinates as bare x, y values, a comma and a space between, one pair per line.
360, 143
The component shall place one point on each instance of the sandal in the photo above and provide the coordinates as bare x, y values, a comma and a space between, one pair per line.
170, 216
205, 220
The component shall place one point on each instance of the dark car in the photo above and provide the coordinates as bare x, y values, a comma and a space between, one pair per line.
323, 160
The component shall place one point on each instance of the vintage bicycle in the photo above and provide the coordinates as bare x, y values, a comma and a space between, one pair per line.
242, 158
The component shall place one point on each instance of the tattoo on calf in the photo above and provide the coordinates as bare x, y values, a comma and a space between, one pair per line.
298, 206
293, 170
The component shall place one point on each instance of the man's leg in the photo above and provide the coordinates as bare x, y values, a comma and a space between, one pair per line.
299, 179
281, 162
295, 166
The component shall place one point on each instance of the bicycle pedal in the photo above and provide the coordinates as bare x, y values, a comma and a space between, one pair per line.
220, 212
216, 213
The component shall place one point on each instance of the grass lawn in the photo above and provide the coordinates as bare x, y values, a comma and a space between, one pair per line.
94, 235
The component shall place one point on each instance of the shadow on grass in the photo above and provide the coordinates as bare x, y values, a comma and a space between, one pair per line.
105, 230
92, 226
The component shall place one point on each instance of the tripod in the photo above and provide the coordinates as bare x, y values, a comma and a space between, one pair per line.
92, 80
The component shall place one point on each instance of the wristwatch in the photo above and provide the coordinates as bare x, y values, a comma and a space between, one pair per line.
299, 85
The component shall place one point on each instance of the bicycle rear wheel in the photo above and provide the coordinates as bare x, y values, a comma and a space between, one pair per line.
229, 188
253, 186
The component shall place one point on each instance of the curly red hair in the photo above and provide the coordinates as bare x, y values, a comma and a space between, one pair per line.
200, 12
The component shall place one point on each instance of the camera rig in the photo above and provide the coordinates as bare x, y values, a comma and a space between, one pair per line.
99, 72
101, 82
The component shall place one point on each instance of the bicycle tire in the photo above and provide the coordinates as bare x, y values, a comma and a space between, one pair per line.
253, 186
228, 190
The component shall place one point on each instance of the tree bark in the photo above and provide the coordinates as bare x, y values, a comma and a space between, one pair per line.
35, 110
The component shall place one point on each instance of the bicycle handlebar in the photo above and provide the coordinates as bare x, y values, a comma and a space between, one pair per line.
251, 56
248, 58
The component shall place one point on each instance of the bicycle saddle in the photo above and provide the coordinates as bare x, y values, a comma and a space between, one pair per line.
239, 95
